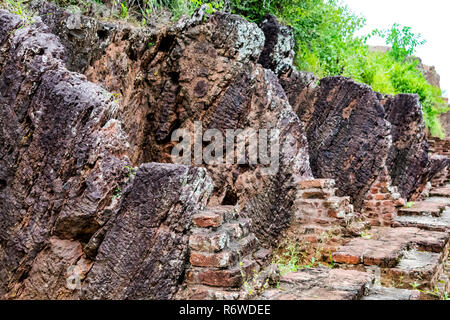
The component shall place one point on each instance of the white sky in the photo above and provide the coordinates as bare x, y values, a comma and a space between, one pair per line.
430, 18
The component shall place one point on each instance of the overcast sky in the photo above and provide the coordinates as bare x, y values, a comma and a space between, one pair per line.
430, 18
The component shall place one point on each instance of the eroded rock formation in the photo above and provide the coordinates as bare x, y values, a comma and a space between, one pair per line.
205, 71
69, 147
361, 138
90, 206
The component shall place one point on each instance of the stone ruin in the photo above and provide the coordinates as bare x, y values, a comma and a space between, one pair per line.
91, 206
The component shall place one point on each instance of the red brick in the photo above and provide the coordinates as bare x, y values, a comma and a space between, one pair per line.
208, 242
207, 219
344, 257
380, 197
316, 183
218, 260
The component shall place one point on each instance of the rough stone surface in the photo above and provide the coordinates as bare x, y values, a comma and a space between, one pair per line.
205, 69
278, 53
347, 133
361, 138
82, 217
144, 252
61, 154
384, 246
408, 160
321, 284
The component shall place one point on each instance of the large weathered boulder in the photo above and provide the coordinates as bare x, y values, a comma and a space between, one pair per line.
205, 68
362, 139
348, 135
61, 156
408, 160
145, 250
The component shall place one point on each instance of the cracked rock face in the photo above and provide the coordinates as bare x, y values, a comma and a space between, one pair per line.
145, 250
347, 132
60, 155
355, 135
88, 110
205, 69
69, 200
408, 161
63, 158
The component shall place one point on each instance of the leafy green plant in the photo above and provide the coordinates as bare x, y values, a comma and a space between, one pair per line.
18, 7
410, 205
327, 45
402, 40
124, 10
117, 193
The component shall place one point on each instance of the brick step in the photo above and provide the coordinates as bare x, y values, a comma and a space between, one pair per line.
317, 184
223, 259
214, 217
321, 284
224, 278
441, 223
440, 192
316, 218
229, 236
245, 246
384, 246
316, 193
442, 200
369, 252
383, 293
201, 292
318, 230
423, 208
415, 268
237, 229
403, 255
330, 202
208, 241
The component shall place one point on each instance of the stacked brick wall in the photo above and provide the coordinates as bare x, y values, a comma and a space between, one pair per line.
381, 202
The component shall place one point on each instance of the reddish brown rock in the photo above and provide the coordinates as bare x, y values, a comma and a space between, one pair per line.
145, 249
216, 260
207, 219
409, 164
348, 135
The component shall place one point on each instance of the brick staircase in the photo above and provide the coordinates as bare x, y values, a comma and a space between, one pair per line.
414, 254
224, 253
383, 263
318, 209
439, 146
334, 284
380, 263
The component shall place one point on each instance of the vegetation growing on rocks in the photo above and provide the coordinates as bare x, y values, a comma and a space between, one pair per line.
326, 43
86, 190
